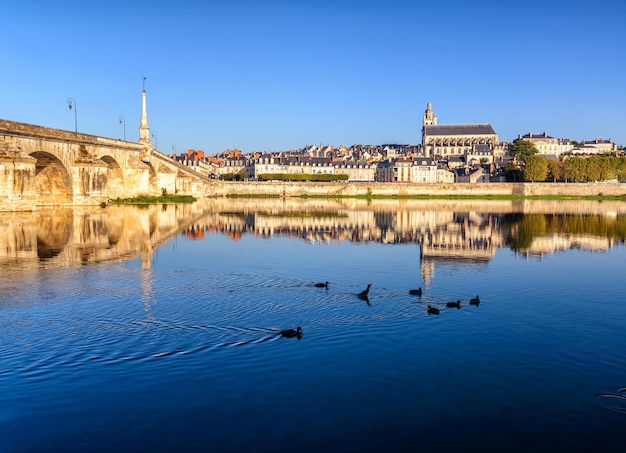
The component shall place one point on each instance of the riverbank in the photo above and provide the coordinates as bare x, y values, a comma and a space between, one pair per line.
598, 190
363, 190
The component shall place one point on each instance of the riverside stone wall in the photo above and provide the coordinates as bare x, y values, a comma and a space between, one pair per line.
288, 189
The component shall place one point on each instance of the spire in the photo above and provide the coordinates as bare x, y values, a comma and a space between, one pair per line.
429, 116
144, 130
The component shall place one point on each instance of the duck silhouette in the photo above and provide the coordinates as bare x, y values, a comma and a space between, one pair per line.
290, 333
364, 294
456, 304
416, 292
475, 300
432, 310
321, 285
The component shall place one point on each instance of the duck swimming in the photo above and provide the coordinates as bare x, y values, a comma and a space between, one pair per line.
475, 300
364, 294
321, 285
290, 333
432, 310
416, 292
456, 304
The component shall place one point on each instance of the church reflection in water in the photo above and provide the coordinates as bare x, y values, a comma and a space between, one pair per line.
465, 232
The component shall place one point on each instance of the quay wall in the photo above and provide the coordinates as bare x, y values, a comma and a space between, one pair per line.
331, 189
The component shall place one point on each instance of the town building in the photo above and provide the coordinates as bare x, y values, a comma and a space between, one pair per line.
596, 146
384, 171
424, 170
403, 170
357, 170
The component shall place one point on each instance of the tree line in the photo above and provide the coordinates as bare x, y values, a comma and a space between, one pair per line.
573, 169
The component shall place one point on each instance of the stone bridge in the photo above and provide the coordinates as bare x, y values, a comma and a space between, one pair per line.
42, 166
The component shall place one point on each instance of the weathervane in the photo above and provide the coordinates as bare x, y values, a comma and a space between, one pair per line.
143, 82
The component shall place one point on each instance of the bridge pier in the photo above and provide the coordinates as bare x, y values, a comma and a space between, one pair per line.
18, 188
89, 183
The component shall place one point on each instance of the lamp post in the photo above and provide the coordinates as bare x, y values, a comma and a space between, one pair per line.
123, 121
154, 137
71, 103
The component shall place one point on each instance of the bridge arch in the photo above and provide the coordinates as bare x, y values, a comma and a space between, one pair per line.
115, 177
53, 182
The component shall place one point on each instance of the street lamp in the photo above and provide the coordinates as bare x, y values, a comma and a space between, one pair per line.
154, 137
71, 103
123, 121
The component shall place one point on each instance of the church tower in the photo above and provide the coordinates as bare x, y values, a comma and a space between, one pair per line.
429, 119
144, 130
429, 116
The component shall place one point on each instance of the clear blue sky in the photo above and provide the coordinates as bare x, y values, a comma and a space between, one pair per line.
274, 75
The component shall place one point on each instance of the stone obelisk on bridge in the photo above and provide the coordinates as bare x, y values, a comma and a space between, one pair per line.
144, 129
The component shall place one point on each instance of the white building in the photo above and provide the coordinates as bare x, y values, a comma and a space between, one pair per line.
424, 170
597, 146
546, 144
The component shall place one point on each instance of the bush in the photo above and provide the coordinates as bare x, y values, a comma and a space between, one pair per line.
241, 176
302, 177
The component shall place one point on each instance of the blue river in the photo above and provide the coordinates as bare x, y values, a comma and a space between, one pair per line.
170, 339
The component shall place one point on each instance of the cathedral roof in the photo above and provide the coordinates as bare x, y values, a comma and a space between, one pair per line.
459, 129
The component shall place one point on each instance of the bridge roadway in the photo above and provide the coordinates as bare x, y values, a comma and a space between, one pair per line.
42, 166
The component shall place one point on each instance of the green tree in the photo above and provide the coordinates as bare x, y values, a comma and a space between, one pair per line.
593, 170
522, 149
576, 169
555, 170
535, 169
621, 169
608, 168
512, 173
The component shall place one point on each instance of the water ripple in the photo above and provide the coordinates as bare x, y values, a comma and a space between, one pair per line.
614, 401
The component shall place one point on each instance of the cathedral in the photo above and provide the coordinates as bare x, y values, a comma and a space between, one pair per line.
444, 140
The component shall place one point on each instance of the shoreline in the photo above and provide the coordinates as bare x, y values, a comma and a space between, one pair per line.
375, 190
600, 191
443, 197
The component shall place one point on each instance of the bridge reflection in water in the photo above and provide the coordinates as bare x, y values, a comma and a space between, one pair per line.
67, 237
458, 231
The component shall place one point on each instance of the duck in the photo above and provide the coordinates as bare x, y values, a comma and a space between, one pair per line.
432, 310
290, 333
364, 294
475, 300
321, 285
417, 292
456, 304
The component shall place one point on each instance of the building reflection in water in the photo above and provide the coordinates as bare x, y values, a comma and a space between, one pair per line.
465, 232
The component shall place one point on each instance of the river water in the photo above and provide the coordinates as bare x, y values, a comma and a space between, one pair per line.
158, 329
